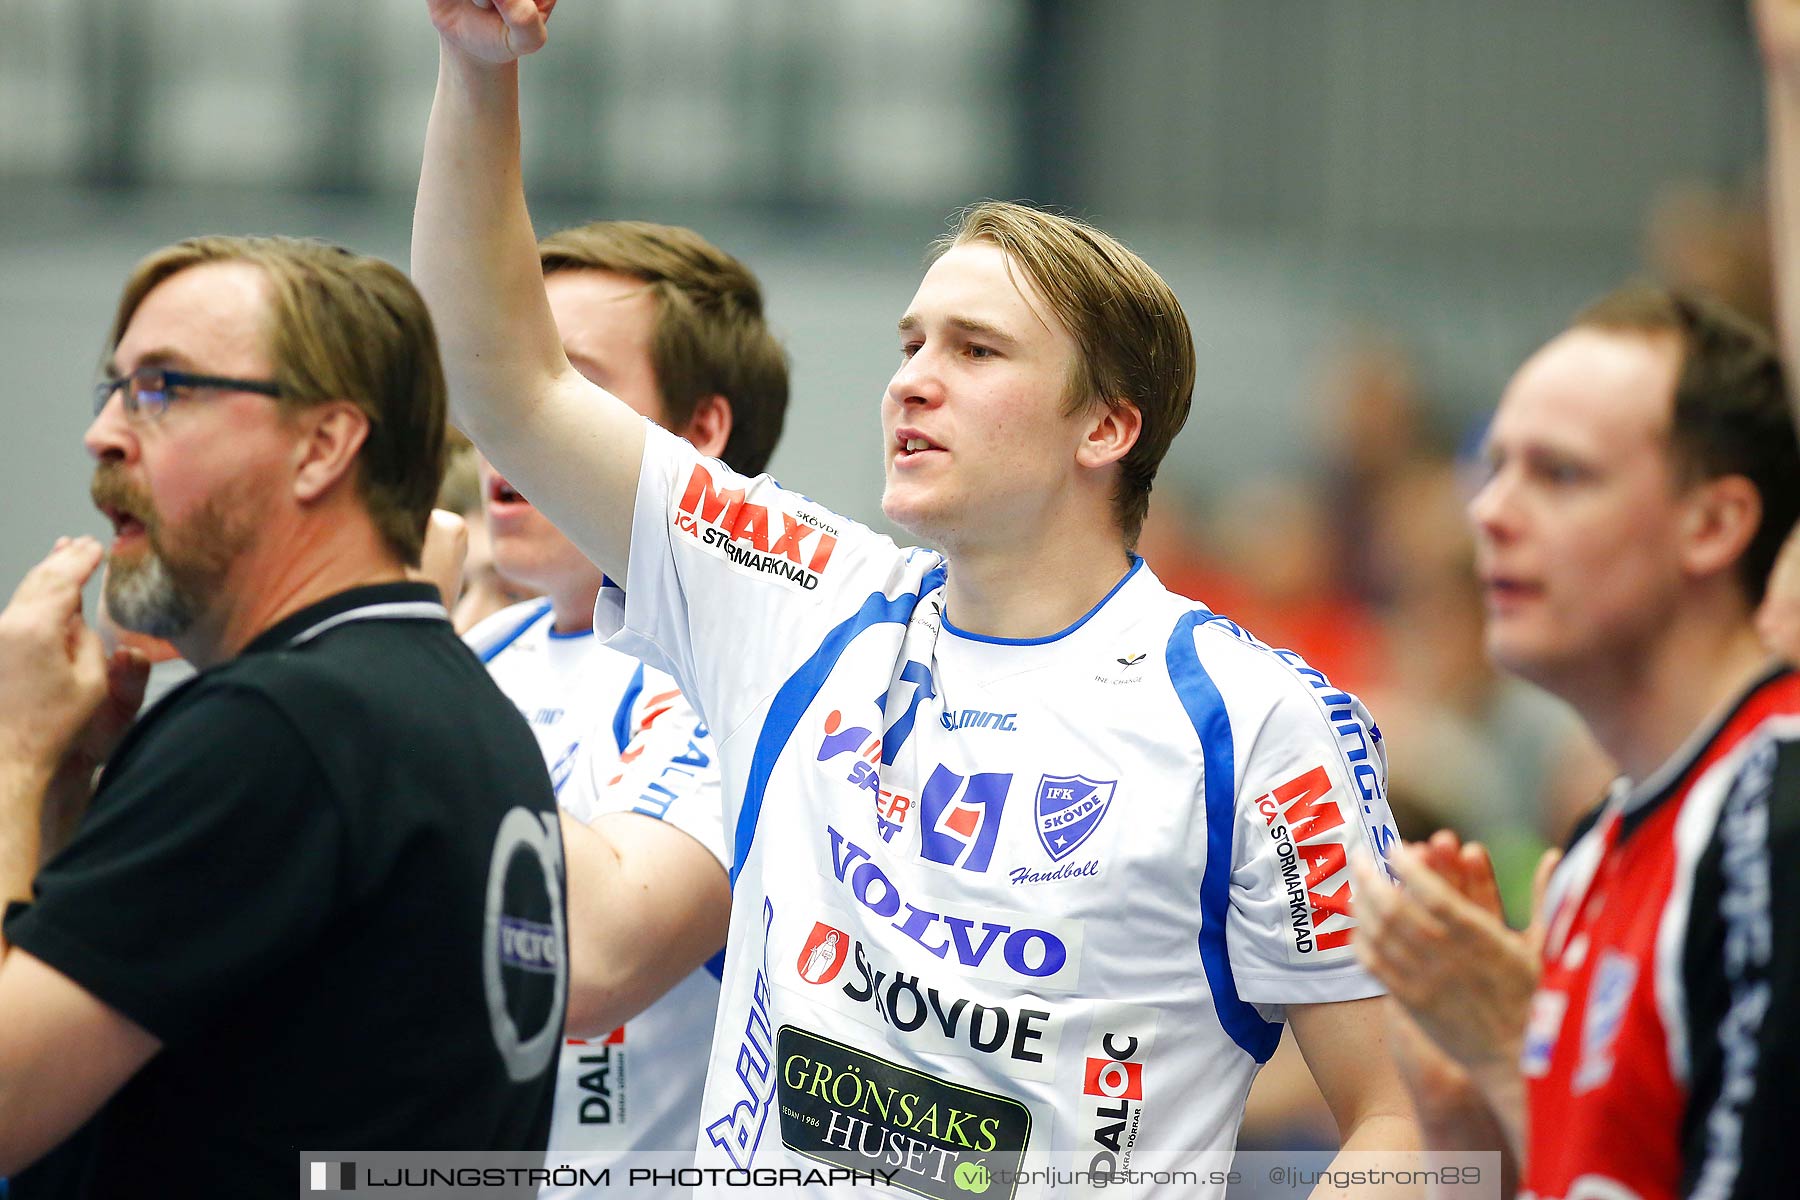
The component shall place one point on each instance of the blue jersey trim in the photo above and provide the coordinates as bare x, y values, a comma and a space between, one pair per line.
493, 652
1206, 710
571, 635
715, 966
621, 726
1136, 563
797, 694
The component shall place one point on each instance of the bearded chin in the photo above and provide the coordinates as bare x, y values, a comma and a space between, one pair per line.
144, 596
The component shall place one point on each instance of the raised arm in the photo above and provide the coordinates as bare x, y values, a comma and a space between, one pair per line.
568, 445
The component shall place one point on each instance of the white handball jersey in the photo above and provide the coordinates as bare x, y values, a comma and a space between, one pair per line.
999, 904
619, 738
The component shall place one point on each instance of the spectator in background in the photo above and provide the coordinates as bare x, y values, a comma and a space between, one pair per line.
482, 591
1374, 429
1500, 760
1702, 237
1276, 552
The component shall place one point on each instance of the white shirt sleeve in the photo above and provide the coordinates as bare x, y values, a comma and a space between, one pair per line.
1312, 792
669, 770
735, 581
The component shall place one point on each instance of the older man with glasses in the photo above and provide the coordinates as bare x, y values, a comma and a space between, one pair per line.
316, 900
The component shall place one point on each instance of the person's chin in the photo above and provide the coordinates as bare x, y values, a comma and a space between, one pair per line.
908, 508
520, 570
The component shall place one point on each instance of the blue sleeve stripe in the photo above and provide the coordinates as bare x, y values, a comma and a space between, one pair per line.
1206, 710
715, 966
531, 618
796, 696
621, 726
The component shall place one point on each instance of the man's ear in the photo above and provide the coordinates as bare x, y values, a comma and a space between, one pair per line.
710, 426
332, 434
1112, 430
1721, 521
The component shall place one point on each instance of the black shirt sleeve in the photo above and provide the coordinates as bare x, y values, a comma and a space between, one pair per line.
212, 849
1741, 973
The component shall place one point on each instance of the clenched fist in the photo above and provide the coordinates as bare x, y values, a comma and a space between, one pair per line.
492, 31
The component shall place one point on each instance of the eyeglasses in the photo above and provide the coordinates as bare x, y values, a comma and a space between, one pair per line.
148, 390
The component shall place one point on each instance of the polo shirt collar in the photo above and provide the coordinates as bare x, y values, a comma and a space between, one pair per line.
380, 601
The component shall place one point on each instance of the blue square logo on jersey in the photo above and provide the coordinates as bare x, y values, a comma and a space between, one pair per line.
1069, 809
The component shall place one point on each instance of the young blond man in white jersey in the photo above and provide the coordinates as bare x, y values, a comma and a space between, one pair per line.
1026, 979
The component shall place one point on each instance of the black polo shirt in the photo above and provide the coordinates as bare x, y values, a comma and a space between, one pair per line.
328, 876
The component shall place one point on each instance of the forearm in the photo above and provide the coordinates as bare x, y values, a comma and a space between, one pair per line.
1376, 1148
572, 447
1502, 1092
1784, 217
1385, 1156
647, 907
1459, 1124
474, 256
22, 788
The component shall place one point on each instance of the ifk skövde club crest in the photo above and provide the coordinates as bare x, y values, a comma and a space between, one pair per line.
1069, 809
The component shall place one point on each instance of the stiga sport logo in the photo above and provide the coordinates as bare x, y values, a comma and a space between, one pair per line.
1315, 870
745, 534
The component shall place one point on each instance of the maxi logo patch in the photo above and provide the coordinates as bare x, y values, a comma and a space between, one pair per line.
1304, 823
853, 1110
1069, 809
777, 545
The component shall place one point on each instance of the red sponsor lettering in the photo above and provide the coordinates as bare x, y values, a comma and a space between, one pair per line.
1306, 805
793, 532
753, 527
1322, 862
707, 502
893, 806
1114, 1080
1300, 804
726, 508
1326, 905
